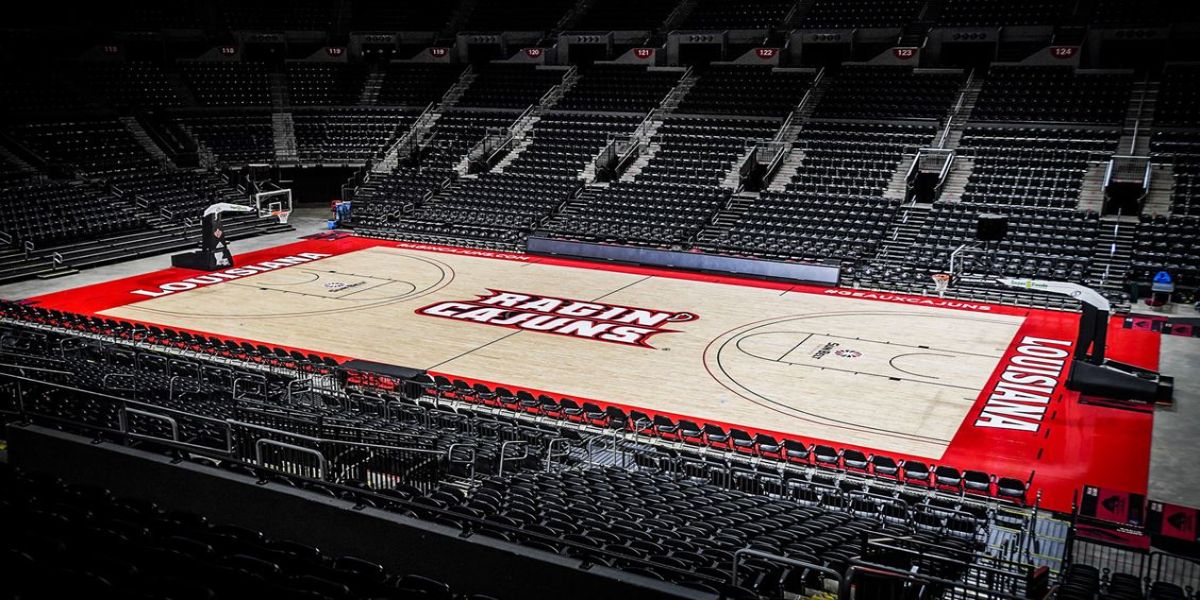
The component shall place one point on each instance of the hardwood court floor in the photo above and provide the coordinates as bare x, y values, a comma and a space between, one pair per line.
891, 376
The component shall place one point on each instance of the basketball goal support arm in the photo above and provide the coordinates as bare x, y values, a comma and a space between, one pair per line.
212, 238
1093, 325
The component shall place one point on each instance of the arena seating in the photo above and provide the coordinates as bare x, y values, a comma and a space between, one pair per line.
620, 15
28, 88
798, 226
238, 138
324, 84
456, 132
126, 85
1123, 13
746, 90
384, 15
887, 92
517, 15
1032, 166
853, 158
417, 84
1042, 243
671, 519
1178, 96
739, 14
619, 88
506, 206
69, 540
87, 146
13, 172
50, 213
1167, 243
347, 135
1182, 150
842, 14
275, 15
1060, 94
229, 83
510, 85
676, 194
982, 13
177, 194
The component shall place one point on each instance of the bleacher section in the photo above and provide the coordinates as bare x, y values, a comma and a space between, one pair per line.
125, 85
30, 89
1168, 243
747, 90
88, 146
506, 206
619, 88
384, 200
348, 135
848, 14
1032, 167
517, 15
737, 14
885, 92
665, 500
385, 15
417, 84
235, 139
636, 15
676, 194
128, 547
275, 15
229, 83
506, 85
1058, 94
1181, 149
51, 213
325, 84
995, 13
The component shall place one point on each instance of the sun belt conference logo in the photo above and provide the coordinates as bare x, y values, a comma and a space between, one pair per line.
599, 321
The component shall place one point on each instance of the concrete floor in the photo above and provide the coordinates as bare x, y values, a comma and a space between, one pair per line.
1174, 461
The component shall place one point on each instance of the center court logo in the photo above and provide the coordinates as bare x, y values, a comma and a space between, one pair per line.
562, 316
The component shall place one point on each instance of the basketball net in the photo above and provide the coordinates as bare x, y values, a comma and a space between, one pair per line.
282, 215
941, 281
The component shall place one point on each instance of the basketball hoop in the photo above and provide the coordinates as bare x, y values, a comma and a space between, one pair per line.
282, 215
941, 281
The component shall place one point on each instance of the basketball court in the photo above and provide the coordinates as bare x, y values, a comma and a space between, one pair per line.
959, 383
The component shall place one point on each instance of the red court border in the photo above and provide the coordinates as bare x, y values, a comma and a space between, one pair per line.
1075, 444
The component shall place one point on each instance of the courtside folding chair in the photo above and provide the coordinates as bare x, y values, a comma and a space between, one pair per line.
742, 442
690, 432
884, 466
977, 482
714, 435
1013, 489
915, 472
571, 410
796, 452
947, 477
826, 456
768, 446
855, 460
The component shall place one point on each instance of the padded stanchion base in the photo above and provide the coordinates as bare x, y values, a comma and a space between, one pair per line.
1134, 405
200, 261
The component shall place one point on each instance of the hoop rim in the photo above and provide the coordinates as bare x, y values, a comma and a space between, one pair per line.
940, 276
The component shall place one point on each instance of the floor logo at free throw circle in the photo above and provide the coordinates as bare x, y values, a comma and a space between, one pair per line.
337, 286
848, 353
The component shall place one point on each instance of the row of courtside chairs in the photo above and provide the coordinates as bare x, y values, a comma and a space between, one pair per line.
712, 436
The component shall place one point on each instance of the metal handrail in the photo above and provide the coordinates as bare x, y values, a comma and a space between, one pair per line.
738, 554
